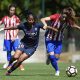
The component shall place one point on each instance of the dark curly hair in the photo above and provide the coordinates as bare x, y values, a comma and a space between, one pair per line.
27, 13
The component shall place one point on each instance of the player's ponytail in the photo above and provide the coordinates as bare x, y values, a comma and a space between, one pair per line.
70, 14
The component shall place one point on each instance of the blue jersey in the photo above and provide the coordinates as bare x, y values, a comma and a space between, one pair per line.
31, 36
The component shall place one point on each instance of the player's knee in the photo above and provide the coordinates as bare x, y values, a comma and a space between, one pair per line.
57, 56
16, 57
20, 59
51, 53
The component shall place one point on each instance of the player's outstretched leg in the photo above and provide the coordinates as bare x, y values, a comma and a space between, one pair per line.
54, 64
14, 66
17, 64
12, 60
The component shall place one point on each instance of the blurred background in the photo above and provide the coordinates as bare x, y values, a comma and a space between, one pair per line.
43, 8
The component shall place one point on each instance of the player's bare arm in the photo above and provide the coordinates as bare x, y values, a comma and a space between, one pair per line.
10, 28
43, 20
52, 28
0, 22
76, 26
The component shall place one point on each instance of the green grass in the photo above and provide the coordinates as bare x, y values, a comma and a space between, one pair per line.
39, 71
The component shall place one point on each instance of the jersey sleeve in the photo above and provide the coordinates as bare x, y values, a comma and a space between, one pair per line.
40, 25
2, 20
21, 26
17, 21
54, 16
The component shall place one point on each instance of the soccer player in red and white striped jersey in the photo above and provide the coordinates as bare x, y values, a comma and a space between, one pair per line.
11, 40
8, 22
53, 39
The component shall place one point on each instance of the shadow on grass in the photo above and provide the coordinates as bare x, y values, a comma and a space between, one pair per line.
37, 74
2, 69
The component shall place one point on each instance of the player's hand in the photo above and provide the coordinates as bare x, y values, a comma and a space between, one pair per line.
76, 26
1, 29
13, 39
52, 28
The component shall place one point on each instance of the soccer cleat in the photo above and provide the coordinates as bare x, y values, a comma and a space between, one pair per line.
5, 65
57, 73
21, 67
7, 74
47, 60
9, 67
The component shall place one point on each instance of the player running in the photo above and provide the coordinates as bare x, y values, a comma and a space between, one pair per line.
11, 39
53, 40
29, 42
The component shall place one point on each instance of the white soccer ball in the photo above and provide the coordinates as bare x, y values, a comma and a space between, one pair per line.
71, 71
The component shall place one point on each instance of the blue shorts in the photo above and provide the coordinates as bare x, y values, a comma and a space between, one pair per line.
25, 49
54, 46
10, 45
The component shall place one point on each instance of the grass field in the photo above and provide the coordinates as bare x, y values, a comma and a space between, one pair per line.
39, 71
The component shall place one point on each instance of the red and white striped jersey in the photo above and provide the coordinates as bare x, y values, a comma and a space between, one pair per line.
8, 22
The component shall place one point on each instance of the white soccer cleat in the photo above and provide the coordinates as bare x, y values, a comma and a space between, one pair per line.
5, 66
57, 73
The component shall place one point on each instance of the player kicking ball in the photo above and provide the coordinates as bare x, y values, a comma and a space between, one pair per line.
53, 39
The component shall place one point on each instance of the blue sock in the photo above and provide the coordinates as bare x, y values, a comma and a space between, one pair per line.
54, 62
8, 55
57, 59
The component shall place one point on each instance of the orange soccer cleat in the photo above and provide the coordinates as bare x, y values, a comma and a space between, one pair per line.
21, 67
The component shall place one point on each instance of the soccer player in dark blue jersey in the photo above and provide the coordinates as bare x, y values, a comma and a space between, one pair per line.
29, 42
53, 40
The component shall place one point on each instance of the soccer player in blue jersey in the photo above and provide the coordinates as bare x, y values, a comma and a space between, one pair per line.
53, 40
28, 43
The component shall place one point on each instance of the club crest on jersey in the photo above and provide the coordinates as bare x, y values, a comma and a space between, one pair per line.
35, 29
21, 45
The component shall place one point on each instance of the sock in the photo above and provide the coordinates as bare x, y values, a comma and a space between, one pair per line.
57, 59
8, 55
54, 62
11, 60
14, 66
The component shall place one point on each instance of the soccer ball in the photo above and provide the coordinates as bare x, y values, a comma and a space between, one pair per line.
71, 71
